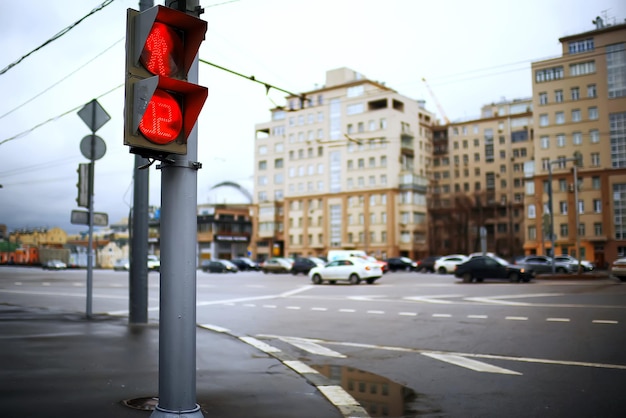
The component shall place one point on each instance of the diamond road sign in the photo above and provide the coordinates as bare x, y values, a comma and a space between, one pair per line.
94, 115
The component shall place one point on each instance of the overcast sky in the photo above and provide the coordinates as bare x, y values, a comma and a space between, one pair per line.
471, 52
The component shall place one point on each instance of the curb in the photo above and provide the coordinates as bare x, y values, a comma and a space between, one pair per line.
336, 395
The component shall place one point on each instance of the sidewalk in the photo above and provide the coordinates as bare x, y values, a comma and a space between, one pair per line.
56, 364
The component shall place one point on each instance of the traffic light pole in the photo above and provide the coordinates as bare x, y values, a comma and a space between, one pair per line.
177, 314
138, 274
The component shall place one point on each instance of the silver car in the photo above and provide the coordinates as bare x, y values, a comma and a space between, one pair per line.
541, 264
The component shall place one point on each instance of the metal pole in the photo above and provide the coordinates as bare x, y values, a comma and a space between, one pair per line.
138, 273
551, 213
177, 314
577, 216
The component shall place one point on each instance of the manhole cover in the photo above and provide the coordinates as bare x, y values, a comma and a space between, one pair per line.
144, 404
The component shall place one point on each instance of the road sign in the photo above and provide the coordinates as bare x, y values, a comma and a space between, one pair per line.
99, 147
94, 115
80, 217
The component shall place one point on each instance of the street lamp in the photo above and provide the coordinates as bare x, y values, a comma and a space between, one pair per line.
577, 159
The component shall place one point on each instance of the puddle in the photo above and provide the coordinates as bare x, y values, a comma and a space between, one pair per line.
379, 396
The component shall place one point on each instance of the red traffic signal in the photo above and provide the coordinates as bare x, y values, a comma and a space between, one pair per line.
161, 107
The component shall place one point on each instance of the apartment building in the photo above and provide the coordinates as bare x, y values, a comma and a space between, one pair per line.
477, 194
579, 102
343, 166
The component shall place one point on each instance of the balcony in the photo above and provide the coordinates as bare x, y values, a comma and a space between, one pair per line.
411, 181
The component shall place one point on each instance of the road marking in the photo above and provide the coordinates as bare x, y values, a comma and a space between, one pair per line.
266, 348
517, 318
376, 312
269, 306
407, 313
295, 308
338, 396
311, 347
471, 364
442, 315
499, 299
477, 316
604, 321
557, 319
347, 310
215, 328
249, 305
433, 298
300, 367
319, 309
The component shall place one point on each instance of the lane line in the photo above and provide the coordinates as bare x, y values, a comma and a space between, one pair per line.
471, 364
516, 318
557, 319
311, 347
604, 321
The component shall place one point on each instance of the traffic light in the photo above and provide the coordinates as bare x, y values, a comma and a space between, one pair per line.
161, 107
83, 185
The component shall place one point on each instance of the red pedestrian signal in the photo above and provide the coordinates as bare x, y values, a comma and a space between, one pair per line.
161, 107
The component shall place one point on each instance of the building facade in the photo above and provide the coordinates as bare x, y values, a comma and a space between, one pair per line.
476, 196
343, 166
579, 102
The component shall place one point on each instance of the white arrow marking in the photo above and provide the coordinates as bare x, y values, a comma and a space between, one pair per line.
475, 365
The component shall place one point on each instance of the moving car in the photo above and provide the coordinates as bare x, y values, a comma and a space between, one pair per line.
401, 264
352, 270
542, 264
305, 264
447, 264
480, 268
276, 265
54, 265
244, 264
618, 269
427, 264
383, 264
219, 266
584, 264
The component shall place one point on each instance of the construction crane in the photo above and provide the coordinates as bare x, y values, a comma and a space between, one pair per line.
443, 114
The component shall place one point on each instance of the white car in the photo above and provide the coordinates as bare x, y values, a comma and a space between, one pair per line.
447, 264
584, 264
352, 269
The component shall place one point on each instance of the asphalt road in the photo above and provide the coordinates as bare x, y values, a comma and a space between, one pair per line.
411, 344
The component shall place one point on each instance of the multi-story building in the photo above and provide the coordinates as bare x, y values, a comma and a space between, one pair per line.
343, 166
224, 231
476, 197
579, 102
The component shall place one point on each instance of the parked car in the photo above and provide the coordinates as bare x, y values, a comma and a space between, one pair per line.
584, 264
244, 264
219, 266
276, 265
121, 264
305, 264
480, 268
54, 265
542, 264
428, 264
352, 270
618, 269
154, 263
401, 264
447, 264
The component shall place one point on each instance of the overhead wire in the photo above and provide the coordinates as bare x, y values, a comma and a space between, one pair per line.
57, 36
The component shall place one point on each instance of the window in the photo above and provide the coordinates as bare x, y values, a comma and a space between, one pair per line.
531, 211
595, 159
278, 163
594, 136
564, 229
545, 142
355, 108
582, 68
563, 207
591, 91
560, 140
575, 91
593, 113
595, 183
558, 96
543, 98
577, 138
583, 45
597, 205
576, 115
262, 165
262, 149
543, 120
548, 74
616, 70
279, 147
559, 118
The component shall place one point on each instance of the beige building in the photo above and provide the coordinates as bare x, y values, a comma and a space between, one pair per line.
478, 181
579, 102
346, 166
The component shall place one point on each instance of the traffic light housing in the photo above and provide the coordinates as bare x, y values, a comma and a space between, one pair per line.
161, 107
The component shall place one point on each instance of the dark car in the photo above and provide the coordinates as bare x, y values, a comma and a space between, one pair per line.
427, 264
305, 264
245, 264
401, 264
481, 267
542, 264
276, 265
219, 266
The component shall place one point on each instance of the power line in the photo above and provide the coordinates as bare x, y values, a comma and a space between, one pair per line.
57, 36
61, 80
